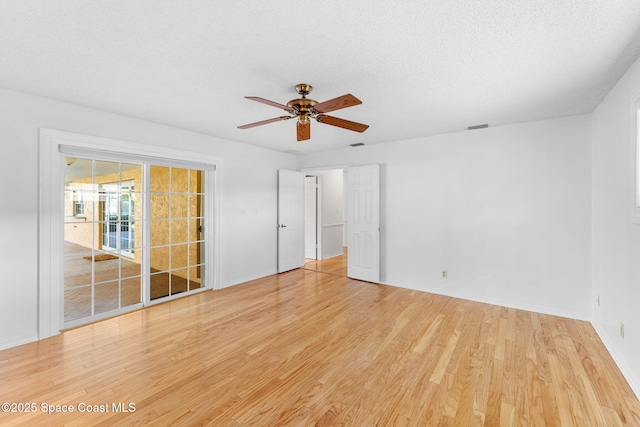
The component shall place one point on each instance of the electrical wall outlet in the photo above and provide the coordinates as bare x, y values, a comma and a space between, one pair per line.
598, 300
444, 274
622, 330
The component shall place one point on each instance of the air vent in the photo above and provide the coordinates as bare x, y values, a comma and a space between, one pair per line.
357, 144
474, 127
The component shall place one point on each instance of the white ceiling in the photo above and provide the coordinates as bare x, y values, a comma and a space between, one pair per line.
420, 67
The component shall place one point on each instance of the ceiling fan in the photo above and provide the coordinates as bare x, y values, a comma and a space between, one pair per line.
305, 109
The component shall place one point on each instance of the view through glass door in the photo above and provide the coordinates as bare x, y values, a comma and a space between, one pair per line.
117, 211
176, 230
109, 266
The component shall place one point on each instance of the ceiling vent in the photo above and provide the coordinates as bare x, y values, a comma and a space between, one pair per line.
474, 127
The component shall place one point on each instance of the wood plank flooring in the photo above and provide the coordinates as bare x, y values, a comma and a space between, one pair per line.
336, 265
316, 348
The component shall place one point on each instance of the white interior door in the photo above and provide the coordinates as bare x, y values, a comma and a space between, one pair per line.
311, 217
363, 211
290, 220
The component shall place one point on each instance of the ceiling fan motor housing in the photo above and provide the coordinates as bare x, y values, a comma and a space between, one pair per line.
304, 108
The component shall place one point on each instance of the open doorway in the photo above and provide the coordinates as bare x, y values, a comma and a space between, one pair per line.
348, 218
311, 229
326, 221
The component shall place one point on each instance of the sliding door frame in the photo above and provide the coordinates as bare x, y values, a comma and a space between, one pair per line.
53, 144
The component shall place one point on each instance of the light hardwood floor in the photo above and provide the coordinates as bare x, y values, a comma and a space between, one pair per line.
336, 265
316, 348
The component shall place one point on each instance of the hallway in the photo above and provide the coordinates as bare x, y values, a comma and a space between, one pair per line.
336, 265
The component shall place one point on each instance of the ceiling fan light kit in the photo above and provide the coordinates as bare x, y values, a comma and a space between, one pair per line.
305, 109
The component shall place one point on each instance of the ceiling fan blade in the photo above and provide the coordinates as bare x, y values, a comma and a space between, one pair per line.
303, 131
265, 122
341, 123
273, 104
338, 103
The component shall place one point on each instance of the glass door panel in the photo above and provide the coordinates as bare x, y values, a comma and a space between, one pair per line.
78, 303
159, 179
106, 297
100, 237
130, 291
176, 210
159, 232
179, 181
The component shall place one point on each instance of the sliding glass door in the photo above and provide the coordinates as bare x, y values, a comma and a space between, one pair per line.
133, 234
176, 225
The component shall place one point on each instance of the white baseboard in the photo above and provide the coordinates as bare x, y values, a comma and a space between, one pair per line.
20, 341
333, 255
503, 303
627, 372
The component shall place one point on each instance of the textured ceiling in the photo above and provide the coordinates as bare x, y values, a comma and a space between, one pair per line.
420, 67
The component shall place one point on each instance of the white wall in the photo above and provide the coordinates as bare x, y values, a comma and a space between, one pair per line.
505, 210
616, 241
249, 197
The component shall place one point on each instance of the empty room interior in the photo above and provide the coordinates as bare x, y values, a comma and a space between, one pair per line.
330, 213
